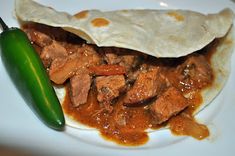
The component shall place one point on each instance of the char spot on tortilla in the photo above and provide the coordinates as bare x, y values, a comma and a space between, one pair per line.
99, 22
82, 14
176, 15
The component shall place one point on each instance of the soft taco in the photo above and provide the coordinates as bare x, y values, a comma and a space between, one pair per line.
127, 71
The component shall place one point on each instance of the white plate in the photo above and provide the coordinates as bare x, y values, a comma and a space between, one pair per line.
21, 129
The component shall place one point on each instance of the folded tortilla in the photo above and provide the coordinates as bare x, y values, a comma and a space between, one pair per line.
160, 33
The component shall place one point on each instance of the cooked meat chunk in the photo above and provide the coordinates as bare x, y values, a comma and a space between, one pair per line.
168, 104
109, 87
130, 61
42, 35
147, 85
88, 55
126, 58
195, 71
51, 52
111, 55
63, 68
133, 74
80, 86
71, 48
39, 38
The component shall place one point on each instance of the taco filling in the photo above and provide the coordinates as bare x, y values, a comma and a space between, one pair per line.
123, 92
119, 86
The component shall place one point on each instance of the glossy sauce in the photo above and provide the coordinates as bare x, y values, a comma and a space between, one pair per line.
131, 132
136, 120
128, 125
185, 123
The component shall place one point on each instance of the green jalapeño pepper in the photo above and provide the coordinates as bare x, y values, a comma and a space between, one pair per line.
29, 76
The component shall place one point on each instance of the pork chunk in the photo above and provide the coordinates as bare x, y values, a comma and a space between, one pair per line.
88, 56
51, 52
110, 55
80, 86
109, 87
39, 38
168, 104
126, 58
63, 68
147, 85
195, 71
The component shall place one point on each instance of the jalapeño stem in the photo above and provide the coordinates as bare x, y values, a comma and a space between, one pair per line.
3, 24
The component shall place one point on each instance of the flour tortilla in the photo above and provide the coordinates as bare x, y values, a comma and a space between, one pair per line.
160, 33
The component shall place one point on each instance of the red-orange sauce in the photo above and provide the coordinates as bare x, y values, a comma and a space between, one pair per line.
131, 131
138, 119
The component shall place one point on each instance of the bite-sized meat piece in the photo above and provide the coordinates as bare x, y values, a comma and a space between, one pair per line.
130, 60
112, 58
109, 87
51, 52
110, 55
40, 33
71, 48
195, 72
39, 38
147, 85
63, 68
133, 74
79, 86
88, 56
126, 58
170, 103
